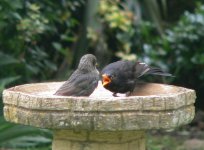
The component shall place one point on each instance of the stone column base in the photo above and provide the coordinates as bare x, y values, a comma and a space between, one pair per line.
95, 140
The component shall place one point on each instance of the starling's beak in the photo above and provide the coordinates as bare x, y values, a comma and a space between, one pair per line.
105, 80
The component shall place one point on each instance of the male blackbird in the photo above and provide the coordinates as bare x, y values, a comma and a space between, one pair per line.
84, 79
122, 76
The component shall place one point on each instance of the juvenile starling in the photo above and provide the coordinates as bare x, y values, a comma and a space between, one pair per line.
122, 76
84, 79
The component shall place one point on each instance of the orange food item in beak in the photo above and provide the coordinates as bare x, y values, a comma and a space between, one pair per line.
105, 80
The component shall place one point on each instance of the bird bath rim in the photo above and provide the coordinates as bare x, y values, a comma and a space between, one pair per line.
97, 114
152, 102
179, 90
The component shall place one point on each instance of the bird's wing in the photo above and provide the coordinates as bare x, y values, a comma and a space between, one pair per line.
141, 69
79, 85
121, 67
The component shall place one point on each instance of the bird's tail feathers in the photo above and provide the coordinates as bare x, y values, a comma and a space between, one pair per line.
142, 68
158, 71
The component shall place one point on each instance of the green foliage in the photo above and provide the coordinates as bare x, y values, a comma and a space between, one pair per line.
114, 16
165, 141
118, 22
155, 11
35, 38
180, 49
40, 38
4, 61
18, 136
32, 25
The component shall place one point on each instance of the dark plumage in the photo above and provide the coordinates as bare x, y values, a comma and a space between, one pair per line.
122, 76
84, 79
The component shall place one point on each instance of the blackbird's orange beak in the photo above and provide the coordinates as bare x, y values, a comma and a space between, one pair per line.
105, 80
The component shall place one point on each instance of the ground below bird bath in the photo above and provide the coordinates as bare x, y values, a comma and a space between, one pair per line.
101, 121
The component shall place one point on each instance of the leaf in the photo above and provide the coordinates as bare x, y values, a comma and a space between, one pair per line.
17, 16
7, 59
19, 136
50, 65
57, 46
6, 81
29, 141
33, 69
3, 125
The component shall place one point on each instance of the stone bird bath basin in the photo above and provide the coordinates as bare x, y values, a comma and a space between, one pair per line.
99, 122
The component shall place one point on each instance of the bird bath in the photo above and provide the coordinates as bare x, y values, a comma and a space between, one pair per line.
99, 122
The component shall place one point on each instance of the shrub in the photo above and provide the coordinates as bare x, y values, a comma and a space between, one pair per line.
181, 50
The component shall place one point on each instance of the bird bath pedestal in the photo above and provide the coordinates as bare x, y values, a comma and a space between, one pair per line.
99, 122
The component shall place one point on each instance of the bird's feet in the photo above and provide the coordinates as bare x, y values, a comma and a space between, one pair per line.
115, 94
127, 94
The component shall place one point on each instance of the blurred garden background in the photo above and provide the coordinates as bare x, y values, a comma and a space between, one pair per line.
43, 41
